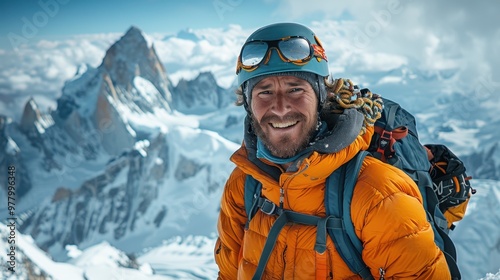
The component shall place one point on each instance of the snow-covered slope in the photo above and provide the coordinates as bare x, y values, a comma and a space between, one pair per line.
144, 196
99, 262
22, 259
183, 258
477, 236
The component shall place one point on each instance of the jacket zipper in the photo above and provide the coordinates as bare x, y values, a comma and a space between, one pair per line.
287, 181
381, 272
281, 202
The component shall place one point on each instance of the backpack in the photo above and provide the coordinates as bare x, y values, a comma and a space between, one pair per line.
438, 173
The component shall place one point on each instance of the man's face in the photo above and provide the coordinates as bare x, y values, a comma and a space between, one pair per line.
284, 114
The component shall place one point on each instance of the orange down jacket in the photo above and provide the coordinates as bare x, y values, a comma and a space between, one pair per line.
386, 211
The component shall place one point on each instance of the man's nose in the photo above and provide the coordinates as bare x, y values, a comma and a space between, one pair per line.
281, 104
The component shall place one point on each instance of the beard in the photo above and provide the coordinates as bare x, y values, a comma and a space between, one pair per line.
285, 147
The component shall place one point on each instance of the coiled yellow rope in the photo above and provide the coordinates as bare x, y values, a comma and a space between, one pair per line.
347, 96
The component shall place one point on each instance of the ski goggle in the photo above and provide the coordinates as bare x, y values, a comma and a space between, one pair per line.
295, 49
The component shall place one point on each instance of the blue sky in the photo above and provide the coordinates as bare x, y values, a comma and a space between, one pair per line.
54, 19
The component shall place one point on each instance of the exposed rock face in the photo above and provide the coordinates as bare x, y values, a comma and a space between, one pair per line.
12, 163
129, 58
108, 204
138, 192
201, 95
114, 133
131, 79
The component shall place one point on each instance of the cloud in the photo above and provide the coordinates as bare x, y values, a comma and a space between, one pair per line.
210, 49
183, 75
432, 35
390, 80
175, 50
39, 69
463, 36
376, 62
20, 82
458, 41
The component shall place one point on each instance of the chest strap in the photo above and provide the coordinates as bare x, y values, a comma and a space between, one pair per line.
288, 217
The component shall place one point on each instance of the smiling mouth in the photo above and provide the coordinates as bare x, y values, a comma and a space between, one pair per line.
283, 124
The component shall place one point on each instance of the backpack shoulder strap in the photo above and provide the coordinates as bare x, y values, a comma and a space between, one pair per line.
252, 191
391, 116
338, 195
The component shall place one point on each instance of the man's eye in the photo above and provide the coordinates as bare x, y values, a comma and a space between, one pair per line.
265, 92
296, 89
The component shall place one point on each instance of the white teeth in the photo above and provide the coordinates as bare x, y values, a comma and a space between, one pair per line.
283, 125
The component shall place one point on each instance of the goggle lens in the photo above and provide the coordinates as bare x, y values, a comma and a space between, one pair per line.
295, 49
253, 53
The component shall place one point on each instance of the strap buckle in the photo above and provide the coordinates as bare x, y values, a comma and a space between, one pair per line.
385, 140
268, 207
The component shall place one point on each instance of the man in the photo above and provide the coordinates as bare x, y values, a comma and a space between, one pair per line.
291, 146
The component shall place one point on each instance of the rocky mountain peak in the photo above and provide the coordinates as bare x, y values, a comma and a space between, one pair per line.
134, 32
132, 43
132, 56
33, 120
201, 94
30, 113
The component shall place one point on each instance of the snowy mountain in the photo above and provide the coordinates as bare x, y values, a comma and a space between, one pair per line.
172, 260
119, 160
11, 156
201, 95
467, 125
65, 147
477, 236
142, 197
465, 121
124, 177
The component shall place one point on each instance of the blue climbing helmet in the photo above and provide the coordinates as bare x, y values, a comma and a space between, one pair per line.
280, 48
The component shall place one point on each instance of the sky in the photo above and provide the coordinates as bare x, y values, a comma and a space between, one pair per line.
42, 43
33, 19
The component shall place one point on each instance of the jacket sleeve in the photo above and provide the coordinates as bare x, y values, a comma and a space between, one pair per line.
391, 222
230, 226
